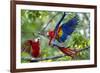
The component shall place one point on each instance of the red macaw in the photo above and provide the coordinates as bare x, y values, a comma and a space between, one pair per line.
35, 52
61, 33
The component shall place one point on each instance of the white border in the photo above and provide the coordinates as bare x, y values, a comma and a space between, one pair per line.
20, 65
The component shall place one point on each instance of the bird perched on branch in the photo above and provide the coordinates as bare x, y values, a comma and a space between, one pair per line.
35, 47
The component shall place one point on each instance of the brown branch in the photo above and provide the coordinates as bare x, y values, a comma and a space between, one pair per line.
41, 59
48, 58
80, 50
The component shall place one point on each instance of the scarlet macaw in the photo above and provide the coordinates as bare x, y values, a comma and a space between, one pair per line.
61, 33
35, 51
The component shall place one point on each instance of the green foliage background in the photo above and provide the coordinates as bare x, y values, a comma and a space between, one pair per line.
33, 21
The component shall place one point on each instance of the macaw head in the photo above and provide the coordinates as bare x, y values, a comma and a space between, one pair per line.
31, 41
50, 33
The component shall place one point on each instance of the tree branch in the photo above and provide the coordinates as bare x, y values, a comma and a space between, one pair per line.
48, 58
41, 59
80, 50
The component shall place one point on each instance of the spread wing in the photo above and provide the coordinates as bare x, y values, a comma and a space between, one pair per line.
66, 29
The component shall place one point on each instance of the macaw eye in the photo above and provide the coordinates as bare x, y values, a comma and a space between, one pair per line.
47, 33
36, 40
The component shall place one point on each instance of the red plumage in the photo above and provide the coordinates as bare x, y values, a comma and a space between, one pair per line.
51, 35
68, 51
35, 52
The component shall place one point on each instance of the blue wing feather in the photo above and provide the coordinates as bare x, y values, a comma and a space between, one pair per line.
67, 29
72, 22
